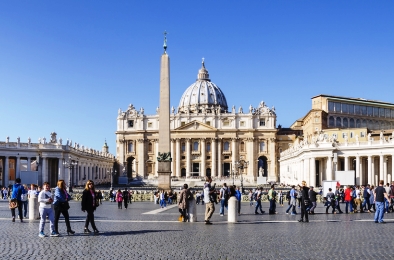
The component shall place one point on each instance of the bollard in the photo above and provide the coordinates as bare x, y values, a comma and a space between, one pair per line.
33, 207
232, 210
192, 210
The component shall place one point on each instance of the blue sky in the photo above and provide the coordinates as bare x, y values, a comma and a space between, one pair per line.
68, 66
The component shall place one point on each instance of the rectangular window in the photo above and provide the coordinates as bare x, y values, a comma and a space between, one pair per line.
376, 111
350, 108
344, 135
330, 106
183, 157
131, 123
183, 123
226, 157
226, 123
370, 111
208, 157
208, 122
362, 134
363, 110
262, 122
381, 112
356, 109
334, 136
242, 123
337, 107
387, 112
149, 124
351, 134
344, 108
262, 146
131, 147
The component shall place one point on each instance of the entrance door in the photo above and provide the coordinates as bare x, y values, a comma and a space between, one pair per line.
196, 169
226, 169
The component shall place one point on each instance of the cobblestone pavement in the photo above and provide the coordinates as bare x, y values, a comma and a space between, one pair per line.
131, 234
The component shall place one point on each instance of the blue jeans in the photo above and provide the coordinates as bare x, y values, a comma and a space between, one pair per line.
223, 203
24, 203
347, 202
169, 201
386, 205
163, 203
379, 213
258, 206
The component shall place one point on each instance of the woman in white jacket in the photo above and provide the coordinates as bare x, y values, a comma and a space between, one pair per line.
45, 199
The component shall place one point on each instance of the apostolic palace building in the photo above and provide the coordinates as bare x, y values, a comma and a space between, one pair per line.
208, 138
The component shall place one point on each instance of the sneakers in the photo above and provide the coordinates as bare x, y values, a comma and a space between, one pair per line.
221, 215
207, 222
41, 234
54, 234
287, 213
293, 214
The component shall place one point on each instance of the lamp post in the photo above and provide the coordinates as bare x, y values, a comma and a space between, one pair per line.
241, 164
70, 165
113, 174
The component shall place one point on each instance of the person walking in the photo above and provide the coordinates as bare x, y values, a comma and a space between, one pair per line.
280, 198
89, 205
338, 200
17, 191
224, 196
380, 194
312, 197
61, 206
119, 198
45, 208
372, 200
304, 202
209, 199
24, 196
293, 201
250, 198
348, 200
257, 198
126, 196
366, 195
330, 201
238, 195
183, 202
163, 198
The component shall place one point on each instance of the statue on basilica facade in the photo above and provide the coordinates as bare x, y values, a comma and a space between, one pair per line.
260, 172
157, 110
18, 139
233, 109
29, 140
141, 110
250, 109
240, 110
173, 110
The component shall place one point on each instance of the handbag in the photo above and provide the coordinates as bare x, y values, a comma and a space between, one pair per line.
13, 203
64, 206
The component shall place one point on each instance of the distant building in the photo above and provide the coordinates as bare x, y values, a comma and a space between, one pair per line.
207, 137
341, 133
44, 161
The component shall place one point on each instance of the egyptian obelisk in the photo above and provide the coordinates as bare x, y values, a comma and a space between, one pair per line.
164, 153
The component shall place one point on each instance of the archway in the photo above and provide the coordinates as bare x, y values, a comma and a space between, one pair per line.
262, 162
183, 172
129, 167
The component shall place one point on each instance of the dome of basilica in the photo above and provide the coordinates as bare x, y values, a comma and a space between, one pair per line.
202, 95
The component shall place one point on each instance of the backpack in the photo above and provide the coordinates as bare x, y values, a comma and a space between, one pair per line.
225, 193
354, 194
254, 196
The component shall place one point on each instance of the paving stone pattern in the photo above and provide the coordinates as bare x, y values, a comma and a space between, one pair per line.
130, 234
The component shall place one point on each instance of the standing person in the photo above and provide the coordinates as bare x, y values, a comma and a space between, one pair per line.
330, 201
17, 190
299, 197
119, 198
293, 201
366, 195
357, 200
89, 205
304, 202
280, 198
100, 196
338, 200
372, 200
198, 197
163, 196
126, 196
238, 195
312, 197
348, 199
24, 196
183, 202
272, 200
386, 202
209, 199
111, 196
61, 206
224, 196
45, 200
250, 198
257, 198
380, 194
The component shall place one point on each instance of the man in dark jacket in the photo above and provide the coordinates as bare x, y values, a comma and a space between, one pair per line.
312, 197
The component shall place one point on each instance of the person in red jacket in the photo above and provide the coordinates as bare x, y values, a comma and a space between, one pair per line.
348, 199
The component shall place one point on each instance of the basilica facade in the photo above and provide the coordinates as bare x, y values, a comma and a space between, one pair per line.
208, 138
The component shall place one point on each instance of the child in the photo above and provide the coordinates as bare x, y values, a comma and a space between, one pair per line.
45, 199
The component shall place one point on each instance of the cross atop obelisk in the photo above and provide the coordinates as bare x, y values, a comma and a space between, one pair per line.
164, 154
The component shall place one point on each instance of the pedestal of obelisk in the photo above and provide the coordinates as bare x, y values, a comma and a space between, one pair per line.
164, 154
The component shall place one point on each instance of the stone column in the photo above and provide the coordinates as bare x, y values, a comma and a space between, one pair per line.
28, 163
312, 172
370, 176
385, 170
301, 167
141, 157
44, 169
155, 159
18, 167
203, 158
361, 171
188, 158
172, 156
373, 180
178, 157
381, 167
329, 168
233, 153
213, 157
346, 159
392, 169
60, 170
358, 170
6, 171
252, 161
220, 168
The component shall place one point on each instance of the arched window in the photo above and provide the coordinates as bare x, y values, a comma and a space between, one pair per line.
345, 123
338, 122
364, 123
150, 147
183, 147
208, 147
226, 146
195, 146
358, 123
331, 121
351, 123
242, 147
